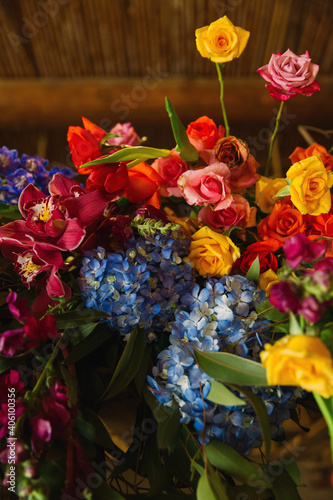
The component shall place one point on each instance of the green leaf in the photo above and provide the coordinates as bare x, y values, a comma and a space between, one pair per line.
204, 491
128, 364
326, 335
231, 462
168, 427
283, 486
71, 386
266, 310
220, 395
7, 362
141, 153
294, 326
186, 150
326, 407
285, 191
262, 416
9, 212
231, 229
106, 492
92, 428
95, 339
72, 319
230, 368
293, 471
141, 376
254, 270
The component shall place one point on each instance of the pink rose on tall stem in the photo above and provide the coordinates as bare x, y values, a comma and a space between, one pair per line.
288, 75
237, 214
207, 186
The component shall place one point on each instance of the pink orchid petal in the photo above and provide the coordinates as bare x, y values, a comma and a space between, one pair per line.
61, 186
29, 193
55, 287
48, 254
88, 207
73, 235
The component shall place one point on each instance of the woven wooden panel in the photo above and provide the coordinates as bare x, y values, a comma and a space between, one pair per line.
80, 38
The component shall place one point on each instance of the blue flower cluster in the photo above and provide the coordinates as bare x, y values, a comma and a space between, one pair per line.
142, 284
16, 173
219, 316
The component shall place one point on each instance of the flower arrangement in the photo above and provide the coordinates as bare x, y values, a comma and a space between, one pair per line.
182, 280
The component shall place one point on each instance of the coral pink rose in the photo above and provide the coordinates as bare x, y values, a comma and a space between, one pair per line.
203, 134
288, 75
170, 169
207, 186
237, 214
235, 154
125, 135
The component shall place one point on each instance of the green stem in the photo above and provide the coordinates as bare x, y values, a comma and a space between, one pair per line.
327, 413
219, 67
277, 122
49, 363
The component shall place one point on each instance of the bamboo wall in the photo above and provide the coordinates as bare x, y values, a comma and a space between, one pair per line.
60, 59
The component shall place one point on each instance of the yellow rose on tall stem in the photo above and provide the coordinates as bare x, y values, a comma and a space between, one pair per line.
299, 360
212, 253
310, 186
221, 41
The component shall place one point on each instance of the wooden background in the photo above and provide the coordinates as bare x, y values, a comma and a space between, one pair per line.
116, 60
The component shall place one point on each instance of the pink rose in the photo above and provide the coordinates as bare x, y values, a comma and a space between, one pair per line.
170, 169
126, 133
207, 186
237, 214
289, 75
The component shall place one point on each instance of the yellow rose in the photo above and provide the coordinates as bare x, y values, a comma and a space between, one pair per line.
189, 225
267, 280
310, 187
221, 41
266, 189
299, 360
212, 253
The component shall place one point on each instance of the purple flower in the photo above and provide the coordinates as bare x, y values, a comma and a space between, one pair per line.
322, 274
299, 249
311, 309
284, 297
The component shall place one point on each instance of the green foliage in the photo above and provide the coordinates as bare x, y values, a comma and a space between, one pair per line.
220, 395
231, 462
230, 368
128, 365
140, 153
91, 427
254, 270
148, 227
186, 150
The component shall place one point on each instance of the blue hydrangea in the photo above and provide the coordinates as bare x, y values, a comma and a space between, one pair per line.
16, 173
140, 285
218, 316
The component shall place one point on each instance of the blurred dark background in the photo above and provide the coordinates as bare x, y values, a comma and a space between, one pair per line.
116, 60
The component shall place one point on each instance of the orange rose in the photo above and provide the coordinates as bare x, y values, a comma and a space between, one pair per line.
284, 221
204, 134
143, 185
314, 150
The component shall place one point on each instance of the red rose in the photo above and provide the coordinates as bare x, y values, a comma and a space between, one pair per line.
265, 250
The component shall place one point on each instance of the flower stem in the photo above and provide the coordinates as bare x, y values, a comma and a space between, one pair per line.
219, 67
277, 122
